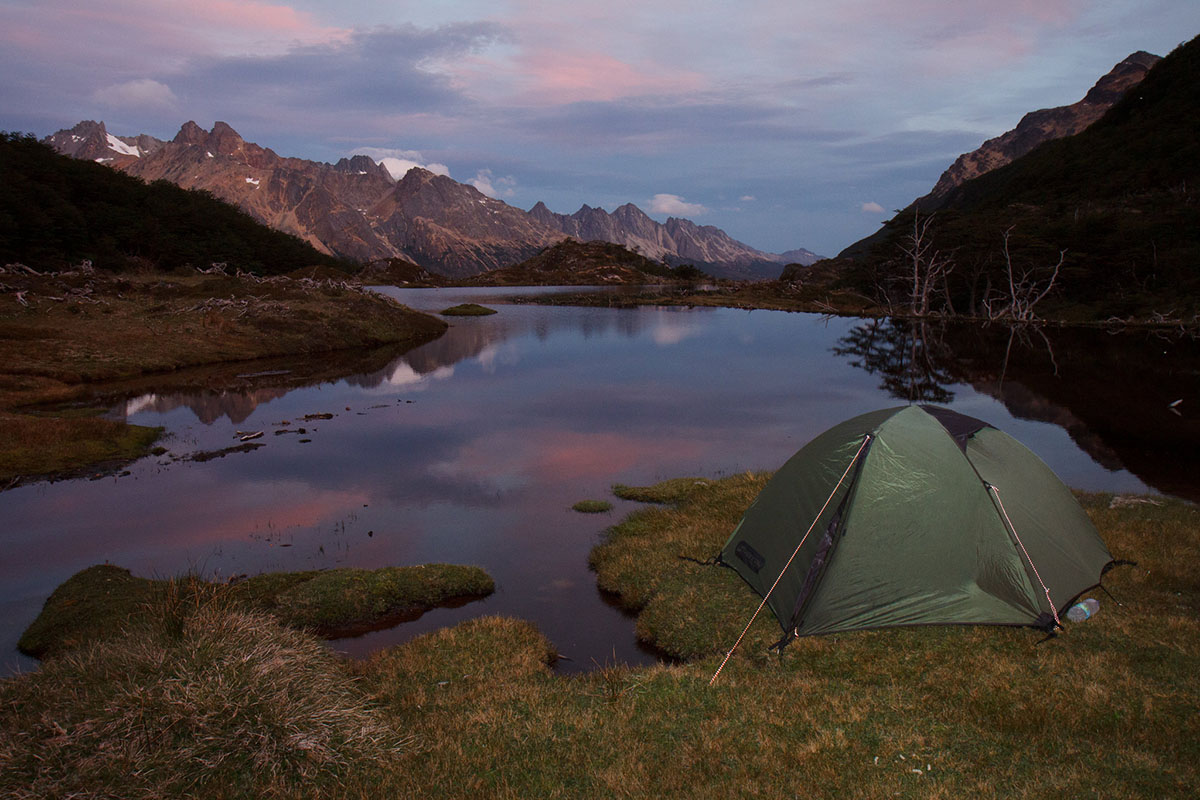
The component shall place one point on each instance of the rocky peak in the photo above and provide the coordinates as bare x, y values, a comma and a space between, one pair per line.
1109, 88
362, 165
224, 140
630, 212
87, 140
190, 133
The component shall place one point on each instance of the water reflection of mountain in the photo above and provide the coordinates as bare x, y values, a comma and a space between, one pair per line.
1115, 394
207, 406
235, 391
471, 339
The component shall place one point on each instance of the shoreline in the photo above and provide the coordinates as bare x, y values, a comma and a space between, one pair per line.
68, 338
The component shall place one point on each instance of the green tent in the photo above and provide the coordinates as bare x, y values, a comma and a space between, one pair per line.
915, 516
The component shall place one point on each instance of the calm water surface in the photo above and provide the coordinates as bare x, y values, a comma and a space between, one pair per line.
473, 448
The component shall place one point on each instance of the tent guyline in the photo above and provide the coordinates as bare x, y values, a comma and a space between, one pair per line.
828, 500
914, 531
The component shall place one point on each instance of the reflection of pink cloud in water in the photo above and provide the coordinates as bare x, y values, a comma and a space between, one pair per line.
204, 515
510, 459
296, 506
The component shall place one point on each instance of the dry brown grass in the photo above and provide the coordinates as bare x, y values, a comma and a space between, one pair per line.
216, 702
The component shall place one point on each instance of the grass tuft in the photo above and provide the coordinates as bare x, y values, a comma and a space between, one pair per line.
218, 702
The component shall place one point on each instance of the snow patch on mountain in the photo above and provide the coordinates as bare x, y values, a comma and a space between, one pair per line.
124, 149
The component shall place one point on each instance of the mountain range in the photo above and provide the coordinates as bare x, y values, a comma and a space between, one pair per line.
356, 209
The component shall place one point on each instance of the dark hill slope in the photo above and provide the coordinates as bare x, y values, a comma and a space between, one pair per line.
56, 211
594, 263
1120, 197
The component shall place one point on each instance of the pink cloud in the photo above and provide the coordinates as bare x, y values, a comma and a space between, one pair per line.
549, 75
157, 35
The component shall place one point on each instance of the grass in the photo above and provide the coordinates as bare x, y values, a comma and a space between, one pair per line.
468, 310
1109, 709
63, 335
42, 444
592, 507
101, 601
671, 491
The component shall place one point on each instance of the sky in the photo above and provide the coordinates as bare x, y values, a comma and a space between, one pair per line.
787, 123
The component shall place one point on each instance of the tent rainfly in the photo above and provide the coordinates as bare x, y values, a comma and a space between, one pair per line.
915, 515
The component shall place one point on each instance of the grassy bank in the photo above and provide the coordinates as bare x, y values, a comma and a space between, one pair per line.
1109, 709
63, 334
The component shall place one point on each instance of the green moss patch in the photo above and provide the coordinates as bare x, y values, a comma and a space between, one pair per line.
685, 609
342, 602
592, 506
468, 310
102, 601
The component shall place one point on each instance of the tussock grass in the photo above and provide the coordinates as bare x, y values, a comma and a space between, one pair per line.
217, 702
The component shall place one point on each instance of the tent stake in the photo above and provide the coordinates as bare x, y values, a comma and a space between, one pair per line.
866, 440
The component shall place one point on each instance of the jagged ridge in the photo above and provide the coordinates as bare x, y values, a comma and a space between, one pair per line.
355, 209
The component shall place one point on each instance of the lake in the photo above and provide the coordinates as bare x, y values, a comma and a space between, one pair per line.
473, 448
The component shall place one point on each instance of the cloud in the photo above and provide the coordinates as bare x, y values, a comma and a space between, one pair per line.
364, 81
675, 205
139, 93
399, 162
487, 183
545, 74
872, 208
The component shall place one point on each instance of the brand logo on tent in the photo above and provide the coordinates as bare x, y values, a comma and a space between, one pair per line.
749, 556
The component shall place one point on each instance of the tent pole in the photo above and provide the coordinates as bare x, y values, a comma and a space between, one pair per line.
866, 440
996, 493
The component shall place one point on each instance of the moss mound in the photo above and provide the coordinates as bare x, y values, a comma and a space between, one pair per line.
685, 609
468, 310
592, 506
102, 601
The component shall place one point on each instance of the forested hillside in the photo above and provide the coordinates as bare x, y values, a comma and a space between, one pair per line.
1118, 201
57, 211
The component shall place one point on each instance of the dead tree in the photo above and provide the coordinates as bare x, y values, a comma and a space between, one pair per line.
1025, 291
929, 267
